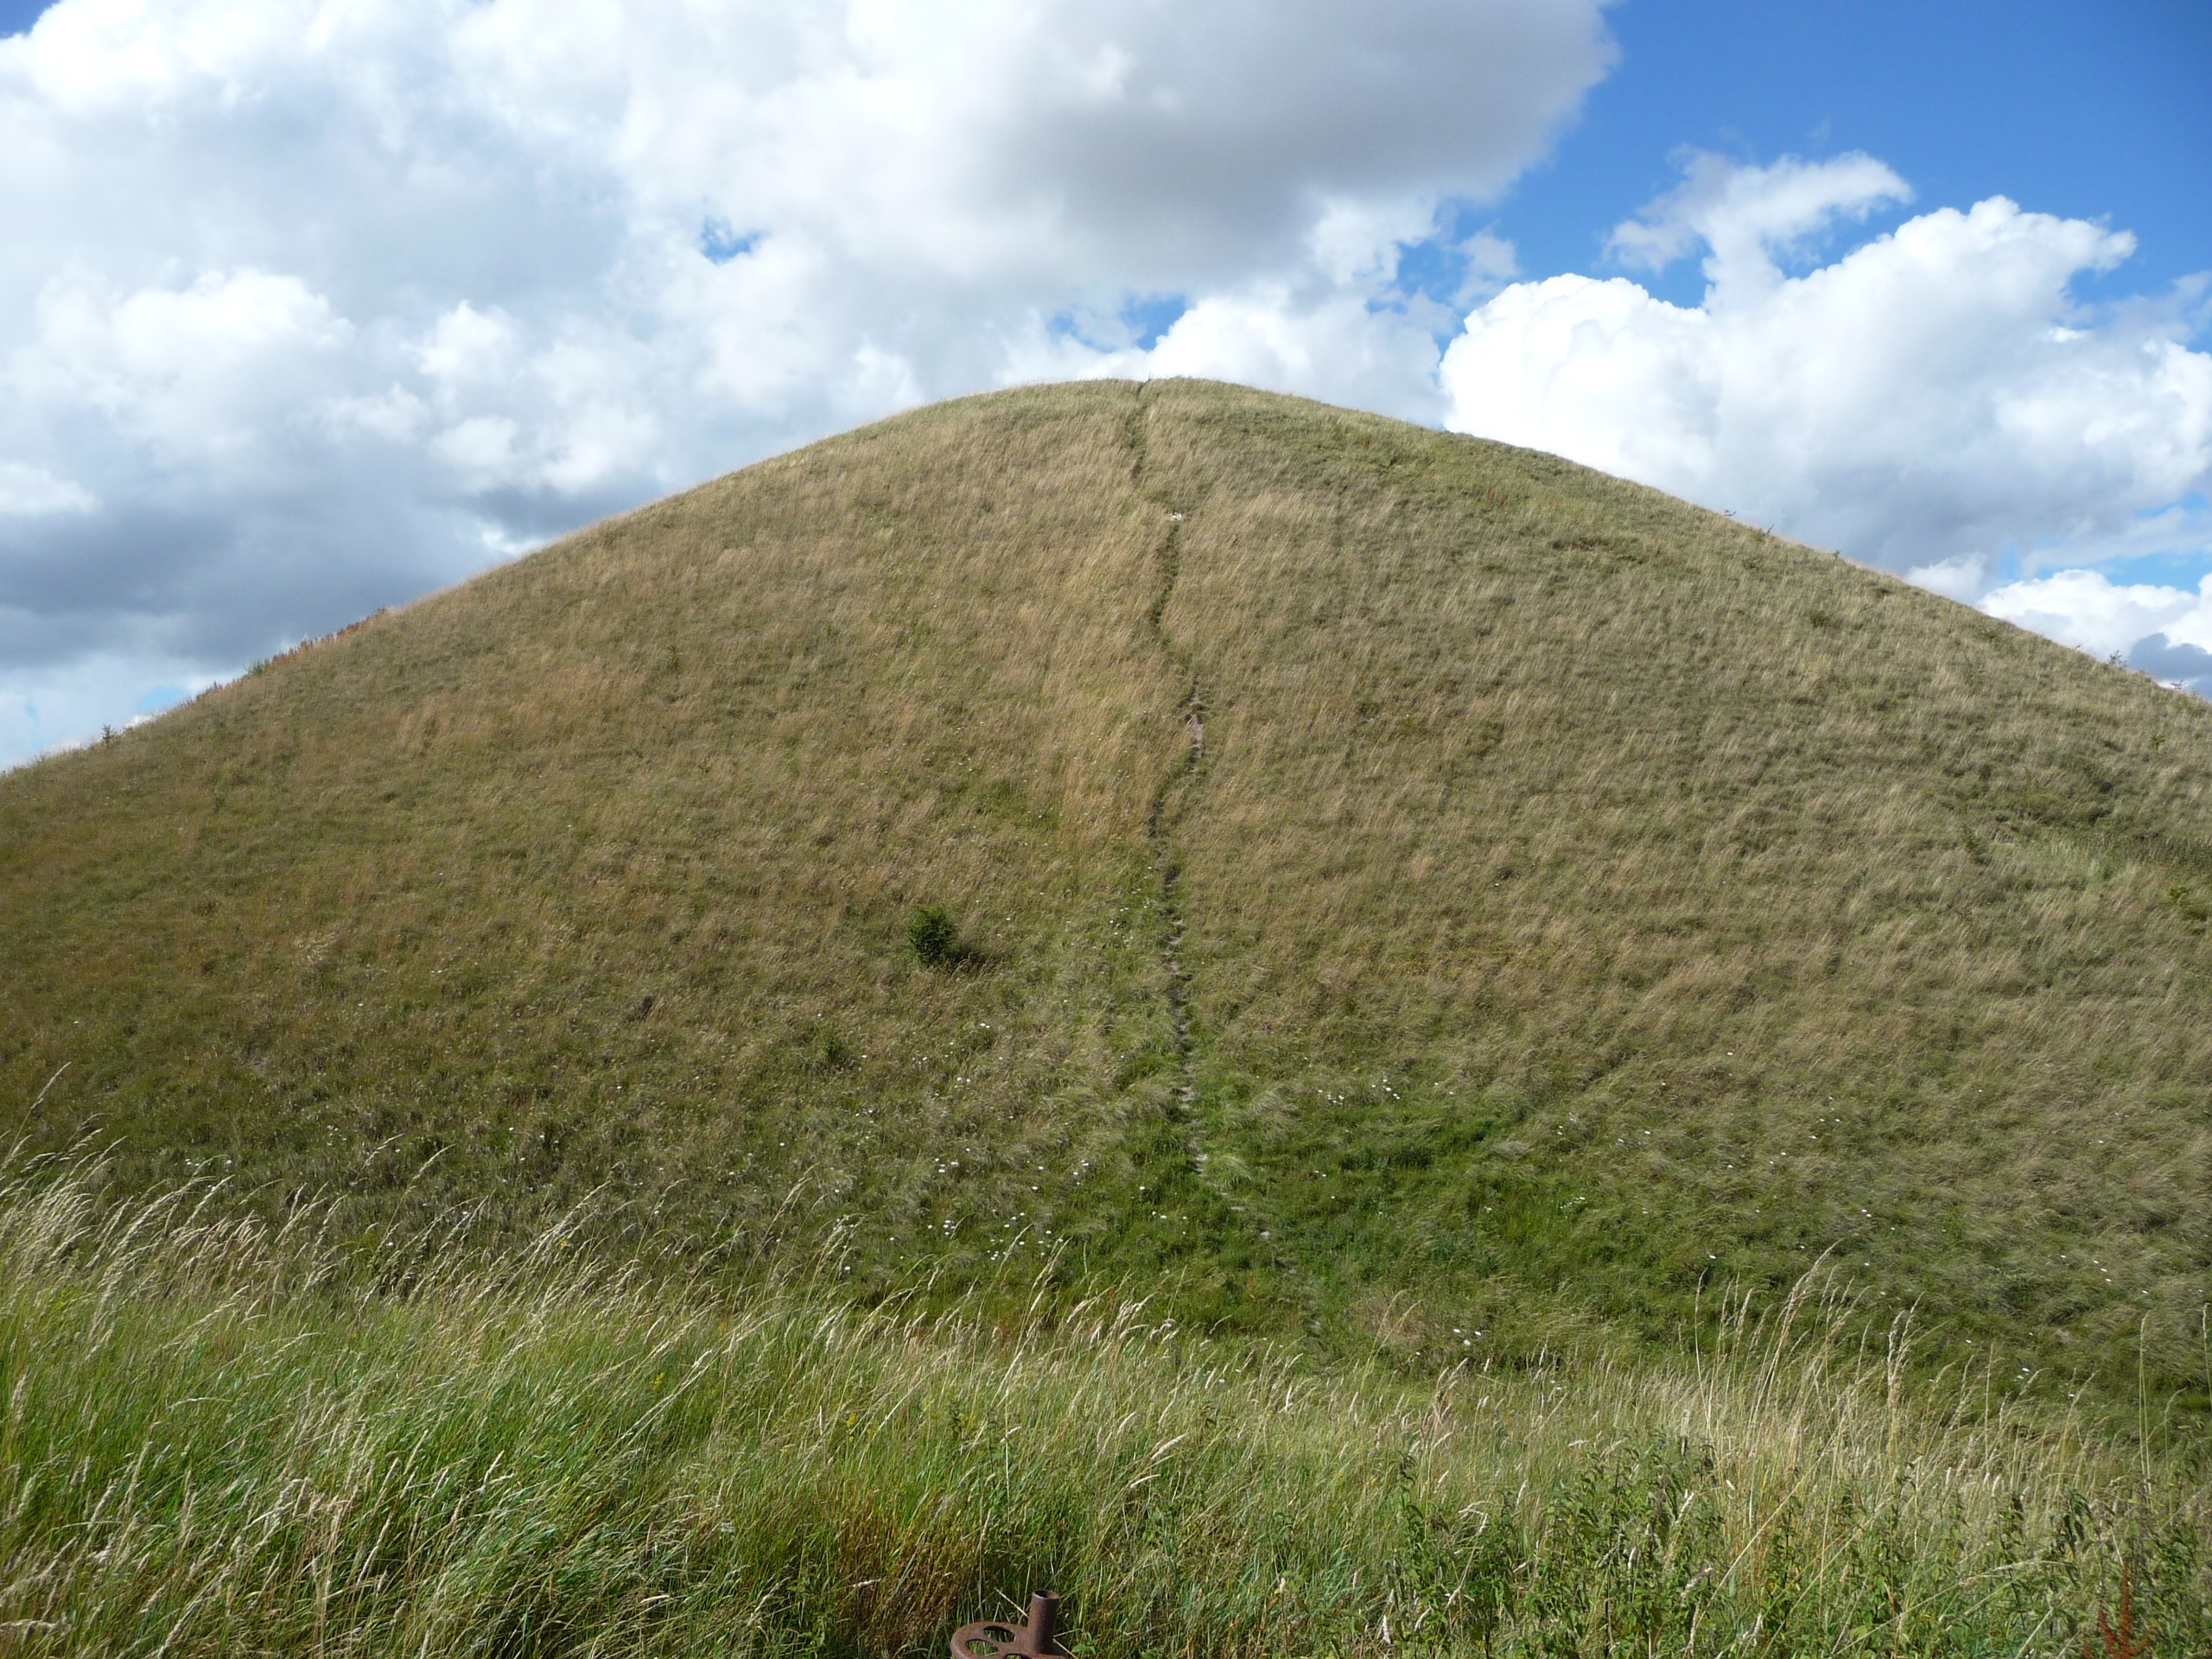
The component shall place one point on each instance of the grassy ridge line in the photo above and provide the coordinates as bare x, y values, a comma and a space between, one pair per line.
220, 1440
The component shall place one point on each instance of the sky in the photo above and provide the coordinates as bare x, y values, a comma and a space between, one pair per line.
309, 306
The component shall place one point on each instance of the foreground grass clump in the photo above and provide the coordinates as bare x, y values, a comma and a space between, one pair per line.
220, 1440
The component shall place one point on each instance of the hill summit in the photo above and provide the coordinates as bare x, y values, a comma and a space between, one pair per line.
1394, 886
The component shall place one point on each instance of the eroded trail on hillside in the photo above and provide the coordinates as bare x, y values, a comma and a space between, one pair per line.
1159, 826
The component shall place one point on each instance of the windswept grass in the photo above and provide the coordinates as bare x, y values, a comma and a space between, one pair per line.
223, 1441
1403, 884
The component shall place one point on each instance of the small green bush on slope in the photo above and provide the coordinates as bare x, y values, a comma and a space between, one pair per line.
1423, 885
935, 939
221, 1442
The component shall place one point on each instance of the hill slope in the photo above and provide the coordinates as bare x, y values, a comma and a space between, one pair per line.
1409, 885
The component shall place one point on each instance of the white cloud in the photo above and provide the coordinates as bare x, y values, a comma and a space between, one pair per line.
1926, 401
27, 492
193, 373
468, 348
307, 303
2084, 608
1314, 339
1962, 579
60, 707
1747, 216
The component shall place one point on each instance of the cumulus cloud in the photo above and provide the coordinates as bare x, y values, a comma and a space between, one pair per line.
32, 491
2086, 609
2187, 667
1318, 333
2165, 632
308, 304
1747, 216
1928, 401
311, 305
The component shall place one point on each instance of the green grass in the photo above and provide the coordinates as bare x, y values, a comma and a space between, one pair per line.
1414, 886
219, 1440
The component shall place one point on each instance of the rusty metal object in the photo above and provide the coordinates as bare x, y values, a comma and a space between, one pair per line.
994, 1638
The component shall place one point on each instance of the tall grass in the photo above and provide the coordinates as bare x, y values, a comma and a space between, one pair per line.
223, 1440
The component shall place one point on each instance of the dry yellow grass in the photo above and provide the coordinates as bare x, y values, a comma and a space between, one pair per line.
1420, 884
220, 1442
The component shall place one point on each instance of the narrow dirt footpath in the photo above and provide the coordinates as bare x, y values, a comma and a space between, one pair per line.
1159, 824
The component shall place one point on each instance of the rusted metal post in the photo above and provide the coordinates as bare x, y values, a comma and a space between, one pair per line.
994, 1638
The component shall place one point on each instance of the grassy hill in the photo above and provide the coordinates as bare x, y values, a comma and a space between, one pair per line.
1408, 892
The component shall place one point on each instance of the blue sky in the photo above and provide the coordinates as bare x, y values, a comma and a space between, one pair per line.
2088, 110
309, 308
2095, 111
